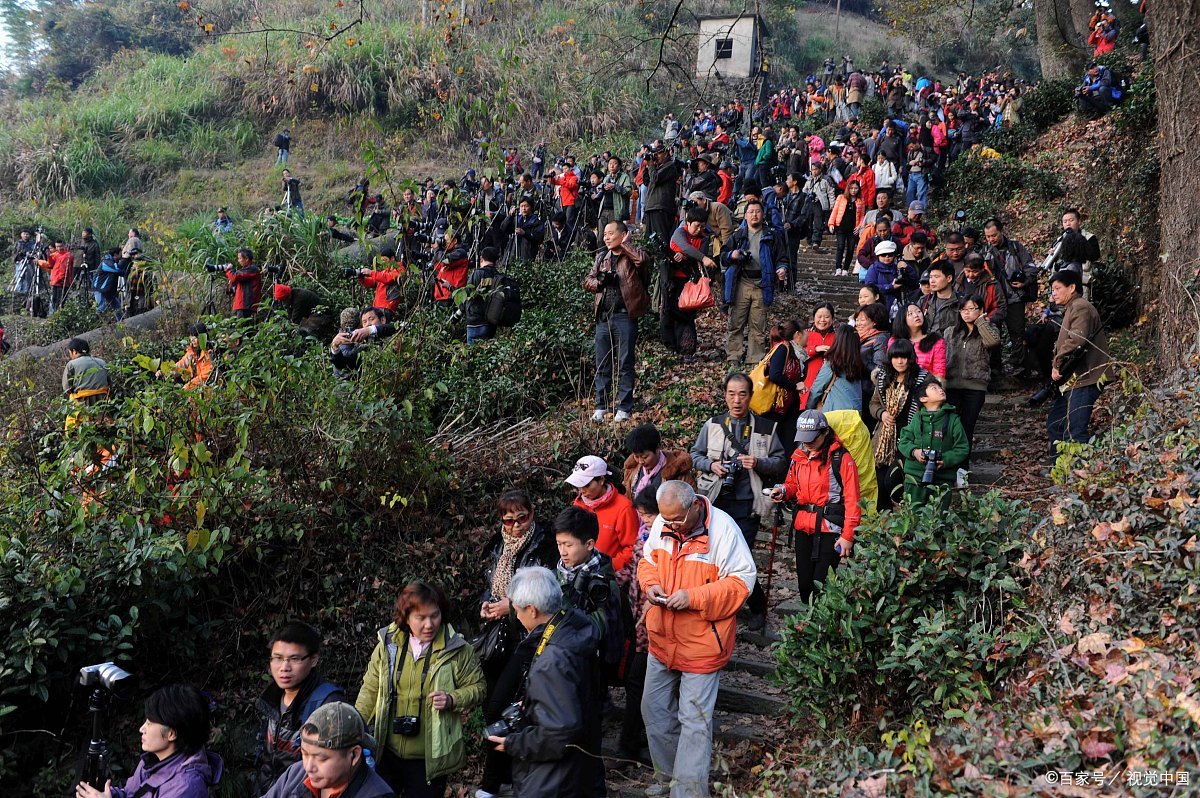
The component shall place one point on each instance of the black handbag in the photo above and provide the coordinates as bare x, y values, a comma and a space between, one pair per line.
494, 641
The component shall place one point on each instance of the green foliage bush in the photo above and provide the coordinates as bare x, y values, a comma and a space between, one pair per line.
1048, 102
1011, 140
873, 113
919, 621
981, 186
1138, 114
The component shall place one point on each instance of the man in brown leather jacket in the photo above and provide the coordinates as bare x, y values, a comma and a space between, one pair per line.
618, 279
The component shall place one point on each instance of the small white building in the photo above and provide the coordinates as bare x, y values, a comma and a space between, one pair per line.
729, 46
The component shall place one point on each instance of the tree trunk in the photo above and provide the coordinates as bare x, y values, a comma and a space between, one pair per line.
1174, 45
1081, 13
1058, 39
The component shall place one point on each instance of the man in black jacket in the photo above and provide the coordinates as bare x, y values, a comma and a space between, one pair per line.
549, 760
89, 256
1013, 266
480, 284
283, 143
295, 691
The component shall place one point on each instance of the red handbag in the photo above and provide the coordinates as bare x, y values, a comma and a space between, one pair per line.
697, 295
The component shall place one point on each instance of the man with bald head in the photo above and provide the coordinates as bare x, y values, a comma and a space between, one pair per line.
696, 573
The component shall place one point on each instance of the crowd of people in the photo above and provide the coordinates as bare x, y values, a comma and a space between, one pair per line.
644, 578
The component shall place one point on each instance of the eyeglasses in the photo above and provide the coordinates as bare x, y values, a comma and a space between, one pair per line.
516, 519
680, 526
292, 660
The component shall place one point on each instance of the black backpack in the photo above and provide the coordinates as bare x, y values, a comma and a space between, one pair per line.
504, 302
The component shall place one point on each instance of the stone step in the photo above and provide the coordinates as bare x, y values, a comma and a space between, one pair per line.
756, 666
750, 702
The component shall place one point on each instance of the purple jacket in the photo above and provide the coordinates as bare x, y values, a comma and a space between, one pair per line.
179, 776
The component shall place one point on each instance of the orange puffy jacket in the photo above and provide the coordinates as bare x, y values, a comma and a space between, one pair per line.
619, 525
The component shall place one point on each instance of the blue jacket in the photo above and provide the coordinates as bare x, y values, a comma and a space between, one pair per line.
104, 281
746, 149
881, 275
770, 255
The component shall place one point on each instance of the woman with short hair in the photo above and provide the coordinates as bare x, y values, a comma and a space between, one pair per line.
421, 677
174, 761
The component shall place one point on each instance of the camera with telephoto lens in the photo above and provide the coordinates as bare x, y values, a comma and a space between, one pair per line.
593, 588
422, 238
960, 215
512, 720
732, 467
406, 725
214, 268
349, 273
274, 271
931, 462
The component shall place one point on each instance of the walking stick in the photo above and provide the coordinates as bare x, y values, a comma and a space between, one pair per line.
778, 513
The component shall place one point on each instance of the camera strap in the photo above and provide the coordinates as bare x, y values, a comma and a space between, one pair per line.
733, 439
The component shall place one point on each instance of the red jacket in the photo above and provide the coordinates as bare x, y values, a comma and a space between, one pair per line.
815, 359
568, 185
902, 233
61, 269
246, 285
619, 525
726, 192
381, 282
809, 482
866, 182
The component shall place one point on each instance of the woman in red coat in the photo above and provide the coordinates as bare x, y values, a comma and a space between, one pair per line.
817, 342
823, 481
596, 493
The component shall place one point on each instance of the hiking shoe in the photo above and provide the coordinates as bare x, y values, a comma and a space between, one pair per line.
657, 790
598, 416
963, 478
621, 416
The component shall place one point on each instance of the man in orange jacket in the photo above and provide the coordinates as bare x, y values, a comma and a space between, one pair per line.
697, 572
62, 274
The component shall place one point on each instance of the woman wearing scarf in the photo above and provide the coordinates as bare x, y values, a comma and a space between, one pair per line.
596, 492
893, 405
521, 541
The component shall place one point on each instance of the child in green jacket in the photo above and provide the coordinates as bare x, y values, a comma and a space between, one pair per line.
936, 426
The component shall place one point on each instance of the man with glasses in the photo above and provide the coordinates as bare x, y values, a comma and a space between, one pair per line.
295, 692
696, 574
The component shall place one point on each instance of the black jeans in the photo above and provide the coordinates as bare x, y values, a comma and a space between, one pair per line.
407, 777
742, 513
677, 328
810, 569
633, 728
847, 246
969, 405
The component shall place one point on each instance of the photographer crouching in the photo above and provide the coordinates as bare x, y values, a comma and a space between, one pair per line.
545, 732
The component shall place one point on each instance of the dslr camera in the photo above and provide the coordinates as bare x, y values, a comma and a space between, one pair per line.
592, 587
350, 273
274, 271
960, 215
688, 204
216, 268
606, 278
406, 725
512, 720
732, 467
931, 463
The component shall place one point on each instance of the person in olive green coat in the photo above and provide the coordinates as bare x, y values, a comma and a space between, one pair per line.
935, 426
421, 678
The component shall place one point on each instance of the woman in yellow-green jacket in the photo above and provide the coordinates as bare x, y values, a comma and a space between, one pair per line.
421, 678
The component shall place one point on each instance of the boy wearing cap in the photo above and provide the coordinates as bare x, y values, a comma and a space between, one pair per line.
332, 763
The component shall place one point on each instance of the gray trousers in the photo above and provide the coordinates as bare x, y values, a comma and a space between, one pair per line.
678, 710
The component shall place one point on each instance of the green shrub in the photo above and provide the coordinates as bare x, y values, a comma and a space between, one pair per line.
1011, 140
1138, 114
1048, 102
872, 113
919, 621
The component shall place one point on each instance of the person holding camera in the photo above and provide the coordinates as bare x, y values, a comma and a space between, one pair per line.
62, 274
661, 176
385, 277
567, 180
525, 229
934, 445
291, 193
696, 574
449, 268
546, 732
344, 350
618, 278
977, 281
1011, 262
421, 677
1081, 361
734, 452
245, 283
196, 365
755, 259
520, 542
295, 692
174, 761
334, 745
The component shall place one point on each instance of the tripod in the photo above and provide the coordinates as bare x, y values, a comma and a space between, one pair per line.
95, 763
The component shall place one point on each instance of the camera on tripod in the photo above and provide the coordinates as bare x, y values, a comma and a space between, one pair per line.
274, 271
512, 720
105, 681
